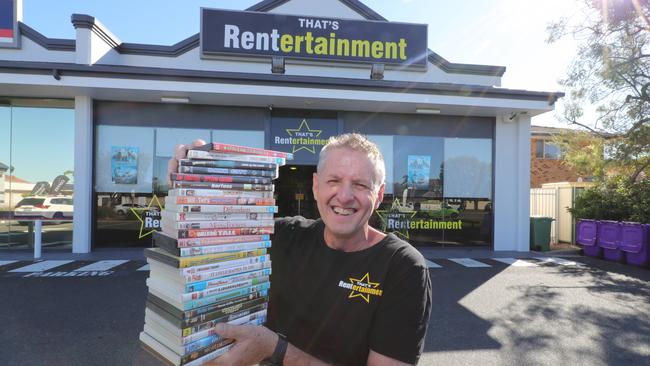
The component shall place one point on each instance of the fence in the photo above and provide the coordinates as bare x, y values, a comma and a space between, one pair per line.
553, 200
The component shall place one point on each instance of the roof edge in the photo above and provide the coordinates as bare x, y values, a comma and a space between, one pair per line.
51, 44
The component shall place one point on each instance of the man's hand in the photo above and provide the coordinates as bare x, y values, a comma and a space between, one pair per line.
179, 153
252, 344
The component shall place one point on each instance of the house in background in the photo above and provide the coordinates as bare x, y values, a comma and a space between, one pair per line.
14, 190
3, 171
546, 164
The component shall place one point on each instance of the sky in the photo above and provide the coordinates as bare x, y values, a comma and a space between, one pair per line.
508, 33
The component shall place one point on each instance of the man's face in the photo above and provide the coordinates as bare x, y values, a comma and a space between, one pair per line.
345, 193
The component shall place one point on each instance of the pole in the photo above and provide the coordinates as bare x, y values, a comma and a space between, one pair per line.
38, 225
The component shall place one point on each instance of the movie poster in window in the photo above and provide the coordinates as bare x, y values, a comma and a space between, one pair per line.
124, 164
419, 167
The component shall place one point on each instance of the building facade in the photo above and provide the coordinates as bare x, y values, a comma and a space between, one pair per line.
282, 75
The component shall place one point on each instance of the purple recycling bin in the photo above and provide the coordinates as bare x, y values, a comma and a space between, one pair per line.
586, 234
634, 243
609, 238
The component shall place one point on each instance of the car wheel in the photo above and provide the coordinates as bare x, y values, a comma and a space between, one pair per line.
57, 215
23, 223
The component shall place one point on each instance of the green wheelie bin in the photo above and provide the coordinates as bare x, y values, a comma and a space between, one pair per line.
540, 233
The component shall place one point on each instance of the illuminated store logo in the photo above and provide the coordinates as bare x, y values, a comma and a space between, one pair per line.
302, 138
149, 217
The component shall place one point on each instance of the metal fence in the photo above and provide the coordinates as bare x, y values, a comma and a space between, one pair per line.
546, 202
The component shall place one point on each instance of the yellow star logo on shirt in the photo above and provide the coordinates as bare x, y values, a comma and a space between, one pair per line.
304, 131
138, 213
363, 288
400, 215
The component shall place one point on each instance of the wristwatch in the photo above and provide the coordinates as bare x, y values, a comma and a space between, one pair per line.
277, 357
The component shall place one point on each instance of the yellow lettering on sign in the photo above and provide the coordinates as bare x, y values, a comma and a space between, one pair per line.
286, 43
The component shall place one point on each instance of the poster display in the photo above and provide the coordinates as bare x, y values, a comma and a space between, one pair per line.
124, 164
419, 167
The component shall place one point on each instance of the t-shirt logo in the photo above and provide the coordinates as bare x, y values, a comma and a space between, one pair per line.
362, 287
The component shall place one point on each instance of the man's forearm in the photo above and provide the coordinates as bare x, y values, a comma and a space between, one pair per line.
296, 357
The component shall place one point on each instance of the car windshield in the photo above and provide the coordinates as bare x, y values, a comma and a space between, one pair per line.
31, 202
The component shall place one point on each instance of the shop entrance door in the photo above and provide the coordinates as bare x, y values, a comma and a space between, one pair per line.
293, 191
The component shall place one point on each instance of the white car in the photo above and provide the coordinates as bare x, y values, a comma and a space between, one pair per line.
45, 207
125, 208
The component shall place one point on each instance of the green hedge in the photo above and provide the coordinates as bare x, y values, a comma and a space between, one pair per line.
615, 200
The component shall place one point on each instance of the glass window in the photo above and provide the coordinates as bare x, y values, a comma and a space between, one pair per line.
442, 190
539, 149
36, 159
551, 151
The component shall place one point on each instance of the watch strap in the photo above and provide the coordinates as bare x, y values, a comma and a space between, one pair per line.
280, 349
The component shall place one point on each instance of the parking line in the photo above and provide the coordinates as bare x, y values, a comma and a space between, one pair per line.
4, 263
431, 264
466, 262
559, 261
41, 266
515, 262
144, 268
101, 265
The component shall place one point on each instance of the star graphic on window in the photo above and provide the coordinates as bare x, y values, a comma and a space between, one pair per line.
364, 282
400, 213
138, 213
303, 131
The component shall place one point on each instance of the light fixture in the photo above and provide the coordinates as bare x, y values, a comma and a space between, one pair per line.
377, 72
427, 111
293, 168
277, 65
175, 99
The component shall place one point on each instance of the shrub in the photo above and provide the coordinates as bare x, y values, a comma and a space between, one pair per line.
615, 200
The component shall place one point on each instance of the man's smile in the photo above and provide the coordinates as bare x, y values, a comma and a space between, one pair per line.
343, 211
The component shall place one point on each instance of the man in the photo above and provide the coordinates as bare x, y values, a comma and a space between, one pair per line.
342, 292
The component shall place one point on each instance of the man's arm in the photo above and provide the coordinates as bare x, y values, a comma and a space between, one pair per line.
255, 343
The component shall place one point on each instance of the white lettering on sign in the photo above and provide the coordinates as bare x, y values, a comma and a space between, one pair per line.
250, 40
318, 24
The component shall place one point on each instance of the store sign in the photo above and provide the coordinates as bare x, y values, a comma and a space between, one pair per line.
9, 10
400, 220
225, 32
304, 137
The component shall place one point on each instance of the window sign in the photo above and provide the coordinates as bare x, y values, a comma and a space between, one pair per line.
10, 11
303, 137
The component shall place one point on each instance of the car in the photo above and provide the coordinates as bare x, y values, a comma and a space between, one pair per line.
124, 208
437, 210
55, 207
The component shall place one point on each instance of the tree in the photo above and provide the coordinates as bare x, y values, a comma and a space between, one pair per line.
611, 72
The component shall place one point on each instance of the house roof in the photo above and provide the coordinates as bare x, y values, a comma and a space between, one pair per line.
548, 131
14, 179
3, 167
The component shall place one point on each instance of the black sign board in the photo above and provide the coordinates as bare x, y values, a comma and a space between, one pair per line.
9, 9
225, 32
304, 137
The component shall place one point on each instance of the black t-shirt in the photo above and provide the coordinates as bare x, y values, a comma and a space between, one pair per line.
337, 306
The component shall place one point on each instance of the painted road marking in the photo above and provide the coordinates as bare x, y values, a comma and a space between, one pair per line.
101, 265
515, 262
431, 264
4, 263
41, 266
466, 262
144, 268
558, 261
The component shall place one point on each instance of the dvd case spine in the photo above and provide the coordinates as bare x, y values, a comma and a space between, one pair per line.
237, 149
207, 170
228, 164
210, 178
220, 208
218, 193
209, 155
212, 200
177, 225
234, 186
215, 216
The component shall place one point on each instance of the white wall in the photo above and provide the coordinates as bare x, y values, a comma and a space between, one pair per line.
512, 184
83, 153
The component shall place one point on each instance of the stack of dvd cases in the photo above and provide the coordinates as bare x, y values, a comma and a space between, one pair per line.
210, 262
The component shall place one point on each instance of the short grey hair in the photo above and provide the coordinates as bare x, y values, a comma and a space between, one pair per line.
360, 143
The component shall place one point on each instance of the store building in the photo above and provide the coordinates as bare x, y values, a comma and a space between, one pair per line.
284, 75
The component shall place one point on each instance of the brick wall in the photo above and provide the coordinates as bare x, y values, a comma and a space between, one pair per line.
547, 170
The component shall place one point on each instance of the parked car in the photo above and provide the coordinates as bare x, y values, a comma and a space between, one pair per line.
45, 207
437, 210
124, 208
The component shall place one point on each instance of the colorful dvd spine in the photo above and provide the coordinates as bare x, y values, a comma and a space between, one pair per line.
228, 164
211, 178
206, 170
218, 193
230, 216
196, 295
220, 208
216, 200
187, 252
209, 155
222, 265
262, 288
204, 285
176, 225
237, 149
235, 186
184, 243
206, 233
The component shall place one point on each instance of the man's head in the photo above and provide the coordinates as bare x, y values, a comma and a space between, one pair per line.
348, 185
